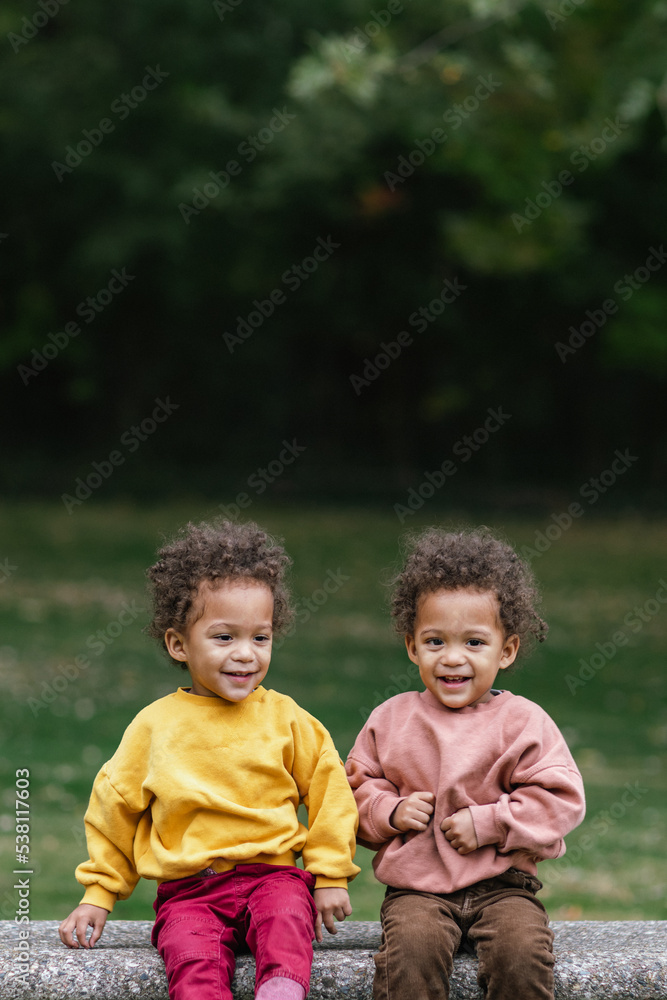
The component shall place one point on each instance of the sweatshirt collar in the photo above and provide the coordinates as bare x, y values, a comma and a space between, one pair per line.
184, 696
499, 698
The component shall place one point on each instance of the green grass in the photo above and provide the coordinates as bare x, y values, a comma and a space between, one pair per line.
73, 574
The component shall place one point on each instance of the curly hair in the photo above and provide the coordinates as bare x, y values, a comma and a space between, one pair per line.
213, 552
436, 559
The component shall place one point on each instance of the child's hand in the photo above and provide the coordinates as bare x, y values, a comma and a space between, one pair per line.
459, 830
86, 915
414, 812
330, 903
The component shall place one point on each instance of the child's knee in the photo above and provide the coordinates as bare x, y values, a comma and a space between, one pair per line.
189, 938
419, 926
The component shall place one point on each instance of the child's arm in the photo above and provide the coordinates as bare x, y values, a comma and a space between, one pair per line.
383, 811
84, 916
546, 801
332, 820
111, 823
330, 903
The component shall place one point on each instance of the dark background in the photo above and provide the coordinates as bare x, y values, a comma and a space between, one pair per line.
367, 86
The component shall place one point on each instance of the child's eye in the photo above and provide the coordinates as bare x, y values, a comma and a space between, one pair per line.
225, 636
262, 638
475, 642
434, 642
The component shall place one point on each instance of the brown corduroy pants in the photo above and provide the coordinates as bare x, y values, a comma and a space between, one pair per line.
503, 921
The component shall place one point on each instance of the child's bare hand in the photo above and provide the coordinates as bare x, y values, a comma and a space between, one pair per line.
414, 812
86, 915
459, 830
330, 903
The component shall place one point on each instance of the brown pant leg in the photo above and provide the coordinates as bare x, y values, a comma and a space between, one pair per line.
419, 941
514, 948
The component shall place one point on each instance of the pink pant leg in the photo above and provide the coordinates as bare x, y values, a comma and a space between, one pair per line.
197, 934
280, 925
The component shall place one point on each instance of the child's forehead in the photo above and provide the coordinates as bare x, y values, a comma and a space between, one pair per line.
230, 587
460, 602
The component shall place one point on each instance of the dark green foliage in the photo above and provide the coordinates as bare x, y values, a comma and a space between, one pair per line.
523, 91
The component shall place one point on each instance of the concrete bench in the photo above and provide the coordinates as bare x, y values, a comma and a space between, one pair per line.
595, 960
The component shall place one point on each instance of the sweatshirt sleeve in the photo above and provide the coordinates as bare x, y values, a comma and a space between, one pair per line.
111, 826
546, 801
119, 806
375, 795
332, 814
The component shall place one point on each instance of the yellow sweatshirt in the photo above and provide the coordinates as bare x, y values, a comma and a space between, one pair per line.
203, 782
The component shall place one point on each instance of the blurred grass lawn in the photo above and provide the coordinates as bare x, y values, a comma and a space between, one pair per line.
74, 572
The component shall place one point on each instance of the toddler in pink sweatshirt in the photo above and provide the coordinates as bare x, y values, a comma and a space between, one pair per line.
463, 788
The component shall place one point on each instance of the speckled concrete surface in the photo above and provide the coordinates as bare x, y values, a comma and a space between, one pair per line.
620, 960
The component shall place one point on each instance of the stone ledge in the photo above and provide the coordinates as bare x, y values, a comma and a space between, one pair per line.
595, 960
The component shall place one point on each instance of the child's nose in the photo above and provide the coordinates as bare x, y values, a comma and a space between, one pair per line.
453, 654
243, 651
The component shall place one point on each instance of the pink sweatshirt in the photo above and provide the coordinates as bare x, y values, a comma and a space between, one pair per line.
505, 759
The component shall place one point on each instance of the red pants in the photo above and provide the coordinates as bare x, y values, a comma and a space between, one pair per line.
202, 922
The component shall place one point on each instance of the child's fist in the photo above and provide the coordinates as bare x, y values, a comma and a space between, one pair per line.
414, 812
459, 830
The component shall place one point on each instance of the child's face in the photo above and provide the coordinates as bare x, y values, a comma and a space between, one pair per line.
459, 645
228, 648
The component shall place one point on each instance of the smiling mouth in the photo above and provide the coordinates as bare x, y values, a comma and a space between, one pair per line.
241, 674
454, 681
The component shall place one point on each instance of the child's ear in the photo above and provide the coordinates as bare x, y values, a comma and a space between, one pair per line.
510, 650
175, 644
411, 647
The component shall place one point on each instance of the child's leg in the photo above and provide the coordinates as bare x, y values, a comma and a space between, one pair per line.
197, 933
419, 940
514, 948
280, 927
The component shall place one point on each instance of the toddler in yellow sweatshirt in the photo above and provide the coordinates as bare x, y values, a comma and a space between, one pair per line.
203, 791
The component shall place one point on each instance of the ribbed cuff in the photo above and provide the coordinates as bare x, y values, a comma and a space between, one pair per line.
322, 882
381, 812
484, 821
97, 896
